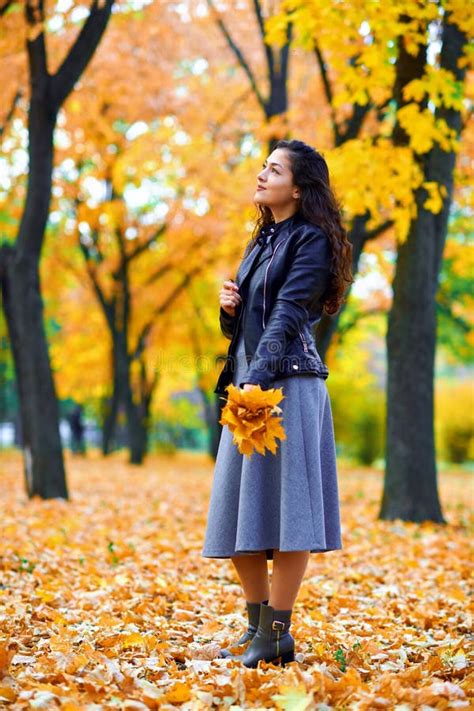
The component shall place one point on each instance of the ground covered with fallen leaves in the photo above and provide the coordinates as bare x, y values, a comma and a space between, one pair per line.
106, 602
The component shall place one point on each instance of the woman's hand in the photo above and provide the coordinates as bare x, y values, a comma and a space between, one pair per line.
249, 386
229, 297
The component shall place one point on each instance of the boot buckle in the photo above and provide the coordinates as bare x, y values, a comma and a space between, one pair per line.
275, 624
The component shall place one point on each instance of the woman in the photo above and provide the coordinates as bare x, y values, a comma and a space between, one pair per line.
285, 505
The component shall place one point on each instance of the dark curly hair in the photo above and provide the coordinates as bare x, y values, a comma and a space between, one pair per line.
318, 205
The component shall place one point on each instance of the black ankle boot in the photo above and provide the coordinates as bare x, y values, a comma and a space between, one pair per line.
272, 641
253, 613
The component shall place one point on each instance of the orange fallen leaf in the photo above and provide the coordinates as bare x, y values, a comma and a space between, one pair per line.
179, 693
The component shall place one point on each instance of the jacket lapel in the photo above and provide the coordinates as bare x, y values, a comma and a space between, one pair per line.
252, 259
247, 264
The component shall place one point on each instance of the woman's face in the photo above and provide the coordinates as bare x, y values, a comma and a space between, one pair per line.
275, 187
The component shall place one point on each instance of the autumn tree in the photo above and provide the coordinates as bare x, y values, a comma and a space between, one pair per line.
410, 490
138, 269
381, 81
122, 247
19, 262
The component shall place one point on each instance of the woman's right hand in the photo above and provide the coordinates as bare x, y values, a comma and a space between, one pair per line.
229, 297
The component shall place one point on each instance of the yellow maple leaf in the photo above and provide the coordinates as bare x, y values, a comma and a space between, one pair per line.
253, 417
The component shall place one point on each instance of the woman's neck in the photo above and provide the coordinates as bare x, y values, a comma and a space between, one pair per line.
280, 216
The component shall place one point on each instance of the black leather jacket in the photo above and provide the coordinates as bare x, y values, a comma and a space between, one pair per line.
290, 274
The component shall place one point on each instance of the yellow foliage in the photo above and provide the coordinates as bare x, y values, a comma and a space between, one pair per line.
424, 129
462, 255
440, 87
462, 13
454, 420
363, 70
114, 213
252, 417
377, 177
436, 193
89, 215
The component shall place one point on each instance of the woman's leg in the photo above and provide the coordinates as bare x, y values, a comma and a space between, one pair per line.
288, 571
269, 642
253, 574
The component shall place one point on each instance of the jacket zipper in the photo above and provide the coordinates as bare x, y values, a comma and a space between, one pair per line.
265, 282
303, 340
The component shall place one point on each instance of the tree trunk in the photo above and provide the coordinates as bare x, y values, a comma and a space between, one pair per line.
109, 422
23, 306
136, 427
42, 452
137, 430
410, 490
145, 424
212, 415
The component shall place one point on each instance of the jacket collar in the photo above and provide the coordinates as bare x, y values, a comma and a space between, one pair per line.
272, 229
276, 232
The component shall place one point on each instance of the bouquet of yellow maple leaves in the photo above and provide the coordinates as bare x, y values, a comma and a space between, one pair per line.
253, 417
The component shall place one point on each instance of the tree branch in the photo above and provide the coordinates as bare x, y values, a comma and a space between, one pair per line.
260, 20
163, 307
10, 113
169, 265
376, 231
34, 15
238, 54
285, 50
358, 317
107, 306
139, 249
82, 50
328, 92
446, 310
266, 47
353, 124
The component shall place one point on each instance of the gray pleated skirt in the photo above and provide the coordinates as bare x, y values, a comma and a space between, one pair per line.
288, 500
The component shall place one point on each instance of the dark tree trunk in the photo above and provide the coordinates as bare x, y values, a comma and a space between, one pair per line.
136, 424
111, 407
212, 415
19, 264
43, 461
144, 424
410, 490
278, 71
137, 430
117, 312
147, 391
23, 307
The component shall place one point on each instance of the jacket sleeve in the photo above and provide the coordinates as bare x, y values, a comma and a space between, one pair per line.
227, 323
305, 283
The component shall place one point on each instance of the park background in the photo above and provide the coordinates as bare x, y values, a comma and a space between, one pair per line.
132, 134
